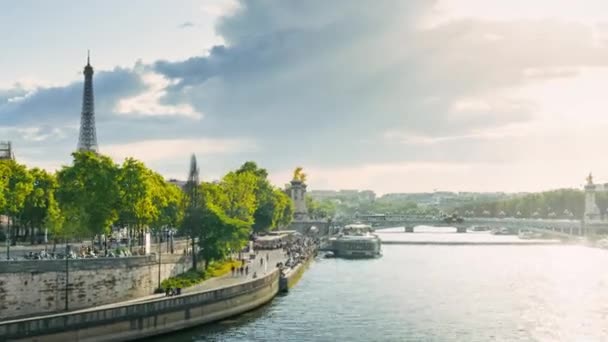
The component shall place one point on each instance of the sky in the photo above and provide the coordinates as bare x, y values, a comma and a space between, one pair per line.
388, 95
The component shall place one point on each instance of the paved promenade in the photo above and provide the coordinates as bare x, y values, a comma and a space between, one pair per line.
274, 256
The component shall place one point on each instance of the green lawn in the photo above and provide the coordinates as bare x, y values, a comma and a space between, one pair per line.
193, 277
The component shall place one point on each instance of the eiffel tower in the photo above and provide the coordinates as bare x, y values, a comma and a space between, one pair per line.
87, 140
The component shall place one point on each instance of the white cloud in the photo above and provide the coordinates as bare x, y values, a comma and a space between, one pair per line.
219, 8
588, 12
39, 134
149, 103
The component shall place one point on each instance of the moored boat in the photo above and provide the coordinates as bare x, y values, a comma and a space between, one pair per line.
356, 241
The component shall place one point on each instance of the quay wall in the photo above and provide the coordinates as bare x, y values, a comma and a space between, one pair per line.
144, 319
34, 287
291, 279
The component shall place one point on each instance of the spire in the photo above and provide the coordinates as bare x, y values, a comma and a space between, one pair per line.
88, 57
87, 140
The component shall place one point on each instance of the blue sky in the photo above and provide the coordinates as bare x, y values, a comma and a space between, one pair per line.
395, 96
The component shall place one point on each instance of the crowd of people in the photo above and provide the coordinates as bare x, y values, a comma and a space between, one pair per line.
298, 249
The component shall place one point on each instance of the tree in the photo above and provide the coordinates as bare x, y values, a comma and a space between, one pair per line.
264, 215
324, 209
18, 184
41, 208
239, 195
89, 194
138, 190
283, 209
169, 199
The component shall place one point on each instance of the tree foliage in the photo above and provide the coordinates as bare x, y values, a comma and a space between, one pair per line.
89, 190
563, 203
92, 195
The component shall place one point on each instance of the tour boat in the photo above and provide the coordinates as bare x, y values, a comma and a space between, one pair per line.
356, 241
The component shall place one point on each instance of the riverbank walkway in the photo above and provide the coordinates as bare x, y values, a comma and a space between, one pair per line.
274, 256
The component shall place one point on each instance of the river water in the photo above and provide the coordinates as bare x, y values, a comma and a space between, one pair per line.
436, 293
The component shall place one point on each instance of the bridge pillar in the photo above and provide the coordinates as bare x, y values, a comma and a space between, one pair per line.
409, 229
461, 229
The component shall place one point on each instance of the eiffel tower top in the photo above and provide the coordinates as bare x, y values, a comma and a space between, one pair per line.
87, 139
88, 69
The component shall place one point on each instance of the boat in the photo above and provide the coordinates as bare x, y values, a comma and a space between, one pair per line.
356, 241
528, 234
503, 231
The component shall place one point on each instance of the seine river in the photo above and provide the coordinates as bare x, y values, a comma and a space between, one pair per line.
436, 293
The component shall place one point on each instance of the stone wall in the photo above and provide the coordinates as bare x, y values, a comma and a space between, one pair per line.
138, 320
39, 286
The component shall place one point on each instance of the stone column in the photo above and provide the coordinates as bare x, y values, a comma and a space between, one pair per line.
298, 196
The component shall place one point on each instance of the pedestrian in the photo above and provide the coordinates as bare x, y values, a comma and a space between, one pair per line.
246, 270
266, 256
232, 268
241, 270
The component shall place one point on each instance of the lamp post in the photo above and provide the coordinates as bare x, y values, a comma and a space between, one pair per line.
160, 243
8, 231
8, 239
67, 274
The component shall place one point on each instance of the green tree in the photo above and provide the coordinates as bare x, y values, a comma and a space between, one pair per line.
18, 183
239, 195
137, 193
265, 215
283, 209
40, 209
89, 194
169, 199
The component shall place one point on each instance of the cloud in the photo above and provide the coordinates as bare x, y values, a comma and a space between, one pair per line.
324, 82
148, 103
327, 83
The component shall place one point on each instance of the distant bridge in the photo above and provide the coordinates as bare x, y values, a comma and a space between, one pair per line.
557, 228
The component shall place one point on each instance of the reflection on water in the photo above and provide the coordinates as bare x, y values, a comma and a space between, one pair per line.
436, 293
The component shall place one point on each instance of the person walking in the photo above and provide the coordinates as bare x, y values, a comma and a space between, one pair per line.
232, 268
246, 270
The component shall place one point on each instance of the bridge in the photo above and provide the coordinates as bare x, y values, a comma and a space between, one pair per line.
561, 228
593, 223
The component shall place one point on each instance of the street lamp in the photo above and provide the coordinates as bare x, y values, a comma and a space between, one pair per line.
67, 274
8, 231
160, 243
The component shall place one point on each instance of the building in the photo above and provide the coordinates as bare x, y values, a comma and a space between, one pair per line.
6, 151
87, 139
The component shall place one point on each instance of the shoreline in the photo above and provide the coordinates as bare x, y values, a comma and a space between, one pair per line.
138, 319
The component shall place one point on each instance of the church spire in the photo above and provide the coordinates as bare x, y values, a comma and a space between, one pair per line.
87, 140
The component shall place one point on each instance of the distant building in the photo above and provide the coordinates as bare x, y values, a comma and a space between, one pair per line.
343, 195
6, 151
87, 139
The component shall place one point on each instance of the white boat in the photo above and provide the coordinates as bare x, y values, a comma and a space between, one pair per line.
356, 241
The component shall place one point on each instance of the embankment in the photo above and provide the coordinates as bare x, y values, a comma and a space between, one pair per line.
291, 278
134, 321
34, 287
